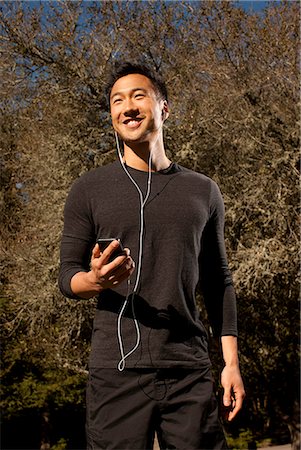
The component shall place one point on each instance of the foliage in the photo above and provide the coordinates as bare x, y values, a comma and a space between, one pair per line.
60, 445
233, 79
244, 438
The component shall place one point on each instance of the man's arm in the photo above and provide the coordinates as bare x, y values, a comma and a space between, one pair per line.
220, 300
231, 380
82, 274
103, 274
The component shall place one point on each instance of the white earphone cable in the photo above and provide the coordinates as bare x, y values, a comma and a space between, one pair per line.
121, 364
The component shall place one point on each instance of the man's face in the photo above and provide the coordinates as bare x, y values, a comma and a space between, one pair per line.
137, 111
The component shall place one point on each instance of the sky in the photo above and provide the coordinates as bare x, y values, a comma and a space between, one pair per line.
254, 5
248, 5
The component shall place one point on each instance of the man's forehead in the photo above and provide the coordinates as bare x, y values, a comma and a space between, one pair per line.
132, 82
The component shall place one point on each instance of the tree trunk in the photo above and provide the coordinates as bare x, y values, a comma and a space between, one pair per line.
45, 431
294, 427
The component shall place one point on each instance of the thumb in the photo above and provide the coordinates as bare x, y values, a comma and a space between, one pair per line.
227, 397
96, 251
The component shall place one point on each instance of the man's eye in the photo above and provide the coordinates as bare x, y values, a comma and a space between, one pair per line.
117, 100
139, 95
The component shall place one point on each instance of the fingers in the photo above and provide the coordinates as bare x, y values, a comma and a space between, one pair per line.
108, 252
111, 273
122, 271
227, 400
236, 401
96, 251
236, 404
239, 400
234, 393
227, 403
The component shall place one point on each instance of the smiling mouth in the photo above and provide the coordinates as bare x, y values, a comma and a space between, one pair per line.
133, 122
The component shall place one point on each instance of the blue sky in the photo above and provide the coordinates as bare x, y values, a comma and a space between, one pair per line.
254, 5
247, 5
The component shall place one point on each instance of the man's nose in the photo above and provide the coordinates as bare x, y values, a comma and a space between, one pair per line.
130, 108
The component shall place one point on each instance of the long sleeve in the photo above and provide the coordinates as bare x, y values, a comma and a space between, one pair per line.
78, 237
215, 277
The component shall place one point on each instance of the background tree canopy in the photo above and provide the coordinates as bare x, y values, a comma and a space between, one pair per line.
233, 79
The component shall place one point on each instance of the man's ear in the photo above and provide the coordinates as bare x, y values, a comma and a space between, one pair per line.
165, 111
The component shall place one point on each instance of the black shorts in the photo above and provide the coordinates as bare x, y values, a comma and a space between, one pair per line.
125, 409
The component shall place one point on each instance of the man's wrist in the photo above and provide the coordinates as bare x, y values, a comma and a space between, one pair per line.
230, 351
93, 282
232, 364
84, 285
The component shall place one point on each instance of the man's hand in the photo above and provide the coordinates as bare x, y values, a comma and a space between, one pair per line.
231, 380
109, 274
103, 274
234, 392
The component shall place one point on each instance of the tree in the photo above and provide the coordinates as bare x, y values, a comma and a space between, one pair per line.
233, 80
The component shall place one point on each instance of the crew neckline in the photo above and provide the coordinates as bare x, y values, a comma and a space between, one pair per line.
173, 167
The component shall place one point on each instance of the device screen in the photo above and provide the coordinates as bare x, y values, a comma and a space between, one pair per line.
103, 244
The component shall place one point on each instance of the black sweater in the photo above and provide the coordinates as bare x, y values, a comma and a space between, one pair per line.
183, 246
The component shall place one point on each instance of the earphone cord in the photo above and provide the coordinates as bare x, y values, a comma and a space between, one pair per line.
121, 364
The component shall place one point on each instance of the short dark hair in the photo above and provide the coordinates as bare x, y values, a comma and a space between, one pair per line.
123, 69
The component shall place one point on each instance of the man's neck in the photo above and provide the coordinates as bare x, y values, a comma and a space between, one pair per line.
137, 157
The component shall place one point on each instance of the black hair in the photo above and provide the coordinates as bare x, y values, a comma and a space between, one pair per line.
121, 69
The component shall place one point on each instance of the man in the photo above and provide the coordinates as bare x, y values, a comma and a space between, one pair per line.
149, 368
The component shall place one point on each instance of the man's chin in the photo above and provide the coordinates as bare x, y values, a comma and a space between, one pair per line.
131, 140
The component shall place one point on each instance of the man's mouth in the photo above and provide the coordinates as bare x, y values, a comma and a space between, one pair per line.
132, 122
